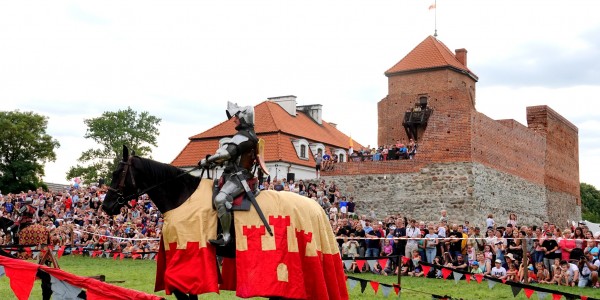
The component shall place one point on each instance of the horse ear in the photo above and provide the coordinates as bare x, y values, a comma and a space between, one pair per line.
125, 153
132, 152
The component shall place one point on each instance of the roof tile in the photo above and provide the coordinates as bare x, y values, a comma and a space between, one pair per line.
277, 128
430, 53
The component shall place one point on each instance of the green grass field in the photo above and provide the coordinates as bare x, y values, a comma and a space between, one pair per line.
139, 275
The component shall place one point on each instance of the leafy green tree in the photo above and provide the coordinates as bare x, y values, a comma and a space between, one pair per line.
24, 149
590, 202
110, 132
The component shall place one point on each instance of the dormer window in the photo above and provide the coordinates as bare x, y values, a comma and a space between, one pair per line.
301, 147
303, 151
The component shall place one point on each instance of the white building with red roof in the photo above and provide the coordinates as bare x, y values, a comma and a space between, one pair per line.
293, 135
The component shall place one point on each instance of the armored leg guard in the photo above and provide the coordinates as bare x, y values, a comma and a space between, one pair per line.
223, 204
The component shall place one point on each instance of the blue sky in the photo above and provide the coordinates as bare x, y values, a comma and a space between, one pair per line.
183, 60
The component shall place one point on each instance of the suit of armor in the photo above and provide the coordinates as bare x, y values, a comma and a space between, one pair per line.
237, 156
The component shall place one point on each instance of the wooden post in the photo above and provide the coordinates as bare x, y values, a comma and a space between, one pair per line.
400, 275
525, 262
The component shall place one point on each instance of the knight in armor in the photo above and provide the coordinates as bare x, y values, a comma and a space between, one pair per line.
238, 156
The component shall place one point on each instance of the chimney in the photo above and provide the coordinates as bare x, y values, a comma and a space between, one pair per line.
461, 55
334, 125
314, 111
288, 103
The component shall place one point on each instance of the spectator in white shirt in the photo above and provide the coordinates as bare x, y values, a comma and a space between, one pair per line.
498, 271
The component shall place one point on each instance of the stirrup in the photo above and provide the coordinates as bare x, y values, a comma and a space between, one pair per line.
220, 242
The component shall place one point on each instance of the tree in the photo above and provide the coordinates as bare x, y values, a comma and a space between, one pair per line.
111, 131
590, 202
24, 149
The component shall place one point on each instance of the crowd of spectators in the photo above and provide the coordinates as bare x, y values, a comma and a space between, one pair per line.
400, 150
74, 218
564, 256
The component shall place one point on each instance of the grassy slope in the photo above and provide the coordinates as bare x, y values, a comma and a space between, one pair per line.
139, 275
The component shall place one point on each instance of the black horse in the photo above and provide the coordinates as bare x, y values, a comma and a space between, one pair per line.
185, 202
167, 186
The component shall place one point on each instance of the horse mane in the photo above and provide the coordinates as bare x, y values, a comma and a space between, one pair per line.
172, 186
158, 170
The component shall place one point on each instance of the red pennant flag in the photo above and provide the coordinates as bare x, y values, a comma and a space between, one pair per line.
584, 297
375, 286
360, 264
468, 278
122, 256
115, 256
21, 280
528, 292
504, 281
382, 262
426, 270
60, 252
28, 250
446, 273
81, 250
93, 253
556, 296
479, 277
397, 288
405, 259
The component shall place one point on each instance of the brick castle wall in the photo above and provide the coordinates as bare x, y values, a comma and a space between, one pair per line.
448, 130
467, 162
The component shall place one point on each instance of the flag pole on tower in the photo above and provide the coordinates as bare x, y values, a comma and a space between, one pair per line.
434, 7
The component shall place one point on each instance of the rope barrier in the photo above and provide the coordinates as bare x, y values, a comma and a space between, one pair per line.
116, 237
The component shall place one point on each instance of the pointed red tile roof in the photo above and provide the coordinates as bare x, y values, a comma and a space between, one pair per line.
429, 54
277, 127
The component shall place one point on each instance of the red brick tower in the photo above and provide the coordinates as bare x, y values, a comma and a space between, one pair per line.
431, 73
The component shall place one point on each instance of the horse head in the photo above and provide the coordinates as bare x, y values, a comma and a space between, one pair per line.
122, 188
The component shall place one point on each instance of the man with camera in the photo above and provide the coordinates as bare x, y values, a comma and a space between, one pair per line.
589, 267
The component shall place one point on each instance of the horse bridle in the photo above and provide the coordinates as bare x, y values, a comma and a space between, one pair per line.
121, 199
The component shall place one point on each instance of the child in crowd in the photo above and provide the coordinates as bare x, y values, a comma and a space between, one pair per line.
490, 221
488, 256
417, 270
471, 257
543, 275
475, 269
511, 273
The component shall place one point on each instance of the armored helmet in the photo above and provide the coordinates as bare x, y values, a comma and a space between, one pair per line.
245, 113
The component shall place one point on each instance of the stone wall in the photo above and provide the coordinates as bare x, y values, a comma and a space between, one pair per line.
468, 191
501, 193
561, 207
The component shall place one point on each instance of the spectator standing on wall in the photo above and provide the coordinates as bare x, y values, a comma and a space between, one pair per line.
344, 207
318, 162
512, 220
444, 216
490, 222
351, 207
326, 163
